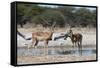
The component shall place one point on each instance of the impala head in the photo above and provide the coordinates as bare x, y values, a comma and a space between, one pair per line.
70, 33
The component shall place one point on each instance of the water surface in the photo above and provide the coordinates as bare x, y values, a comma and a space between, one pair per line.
54, 51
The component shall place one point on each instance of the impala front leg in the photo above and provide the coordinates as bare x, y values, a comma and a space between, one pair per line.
73, 44
46, 47
46, 43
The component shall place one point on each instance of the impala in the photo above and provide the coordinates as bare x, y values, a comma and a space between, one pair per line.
41, 36
76, 39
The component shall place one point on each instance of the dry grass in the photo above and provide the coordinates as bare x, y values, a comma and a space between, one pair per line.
35, 29
89, 35
53, 59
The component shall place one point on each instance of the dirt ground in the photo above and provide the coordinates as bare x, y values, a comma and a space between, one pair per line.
53, 59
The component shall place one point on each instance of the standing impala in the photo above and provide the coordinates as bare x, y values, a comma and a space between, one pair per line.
76, 39
42, 36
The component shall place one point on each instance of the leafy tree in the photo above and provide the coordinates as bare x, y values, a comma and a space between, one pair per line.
62, 15
49, 17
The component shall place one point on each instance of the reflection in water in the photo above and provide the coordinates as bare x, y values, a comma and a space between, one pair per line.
53, 51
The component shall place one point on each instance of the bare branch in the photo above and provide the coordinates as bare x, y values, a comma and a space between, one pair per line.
46, 22
54, 23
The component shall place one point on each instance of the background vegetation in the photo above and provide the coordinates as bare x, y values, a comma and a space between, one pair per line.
62, 16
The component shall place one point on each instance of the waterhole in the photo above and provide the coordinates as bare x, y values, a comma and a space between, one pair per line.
54, 51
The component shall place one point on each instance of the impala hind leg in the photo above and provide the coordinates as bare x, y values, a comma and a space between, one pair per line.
74, 44
33, 42
79, 48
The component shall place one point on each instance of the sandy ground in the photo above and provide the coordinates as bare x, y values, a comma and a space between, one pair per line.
53, 59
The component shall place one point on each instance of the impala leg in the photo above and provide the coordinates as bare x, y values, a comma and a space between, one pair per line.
72, 47
81, 44
36, 42
47, 43
79, 47
46, 49
76, 44
33, 42
72, 44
